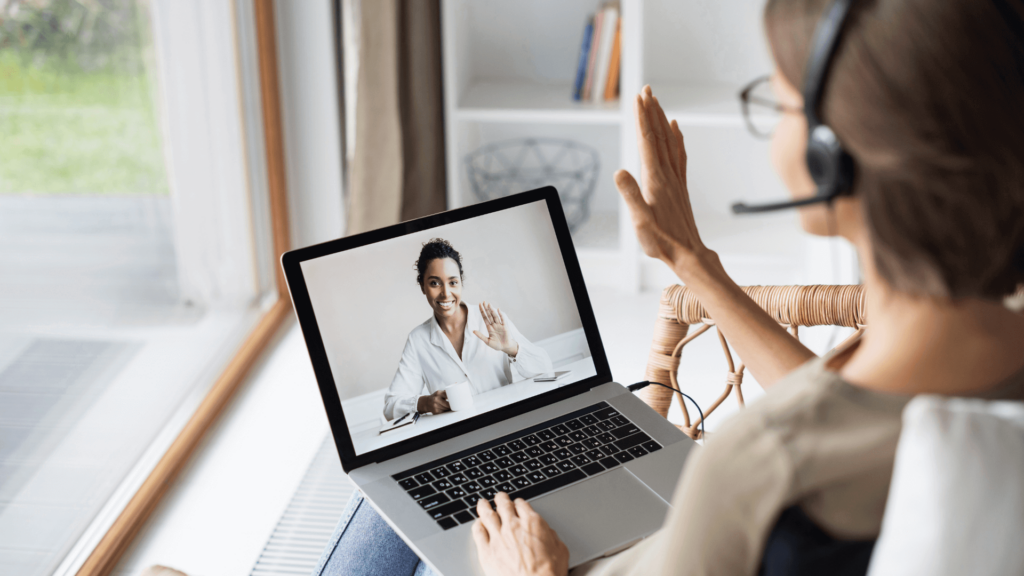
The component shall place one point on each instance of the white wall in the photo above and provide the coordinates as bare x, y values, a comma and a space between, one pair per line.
367, 301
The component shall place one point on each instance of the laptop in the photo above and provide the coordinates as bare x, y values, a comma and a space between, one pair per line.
595, 461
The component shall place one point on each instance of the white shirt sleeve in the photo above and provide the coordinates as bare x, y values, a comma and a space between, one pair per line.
407, 385
530, 361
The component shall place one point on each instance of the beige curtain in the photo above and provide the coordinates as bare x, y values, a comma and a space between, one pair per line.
397, 170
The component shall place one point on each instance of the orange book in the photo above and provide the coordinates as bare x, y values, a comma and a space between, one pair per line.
611, 88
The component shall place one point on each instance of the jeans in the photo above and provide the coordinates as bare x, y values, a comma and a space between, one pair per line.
364, 545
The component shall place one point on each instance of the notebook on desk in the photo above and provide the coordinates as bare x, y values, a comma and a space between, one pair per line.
595, 461
553, 376
403, 420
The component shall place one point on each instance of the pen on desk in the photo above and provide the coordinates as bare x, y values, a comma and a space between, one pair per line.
402, 417
416, 418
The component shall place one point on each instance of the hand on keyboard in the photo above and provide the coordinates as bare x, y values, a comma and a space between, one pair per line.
526, 464
516, 541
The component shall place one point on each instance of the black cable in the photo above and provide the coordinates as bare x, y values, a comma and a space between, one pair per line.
645, 383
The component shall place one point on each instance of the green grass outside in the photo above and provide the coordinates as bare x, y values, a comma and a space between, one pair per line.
77, 132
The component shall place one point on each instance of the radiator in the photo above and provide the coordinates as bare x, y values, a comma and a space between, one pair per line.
307, 523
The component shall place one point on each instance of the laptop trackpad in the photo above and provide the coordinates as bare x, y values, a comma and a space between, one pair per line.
602, 514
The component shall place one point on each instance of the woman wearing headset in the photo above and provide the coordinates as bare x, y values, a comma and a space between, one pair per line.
920, 154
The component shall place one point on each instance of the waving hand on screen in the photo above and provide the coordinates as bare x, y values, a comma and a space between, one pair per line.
498, 336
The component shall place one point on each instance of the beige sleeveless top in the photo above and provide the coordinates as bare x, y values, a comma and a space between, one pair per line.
813, 440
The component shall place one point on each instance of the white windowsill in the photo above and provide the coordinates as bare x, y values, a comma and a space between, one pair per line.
221, 510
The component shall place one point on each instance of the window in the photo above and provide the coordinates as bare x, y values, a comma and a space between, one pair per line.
136, 246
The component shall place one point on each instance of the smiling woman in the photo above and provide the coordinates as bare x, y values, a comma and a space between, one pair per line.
440, 353
488, 313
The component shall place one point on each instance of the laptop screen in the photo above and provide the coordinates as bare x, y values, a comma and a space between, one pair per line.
430, 328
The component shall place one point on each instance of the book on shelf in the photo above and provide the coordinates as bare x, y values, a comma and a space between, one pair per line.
597, 69
595, 42
611, 88
581, 66
609, 19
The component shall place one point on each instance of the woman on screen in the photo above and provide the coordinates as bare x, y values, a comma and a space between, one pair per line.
458, 343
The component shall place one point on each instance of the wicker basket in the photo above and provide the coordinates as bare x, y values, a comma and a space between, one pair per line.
503, 168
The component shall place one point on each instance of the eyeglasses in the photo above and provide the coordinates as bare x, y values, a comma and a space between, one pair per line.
761, 111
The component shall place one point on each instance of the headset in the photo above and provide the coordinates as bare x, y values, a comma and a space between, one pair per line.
830, 165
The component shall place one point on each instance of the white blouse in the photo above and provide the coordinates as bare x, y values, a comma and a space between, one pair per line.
429, 363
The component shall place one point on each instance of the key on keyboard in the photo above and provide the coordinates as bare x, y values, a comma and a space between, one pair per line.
526, 464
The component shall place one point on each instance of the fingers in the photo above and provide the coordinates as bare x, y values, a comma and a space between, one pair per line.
643, 125
506, 510
486, 339
630, 192
678, 135
682, 149
651, 236
488, 313
628, 187
523, 509
670, 140
488, 517
480, 535
441, 402
533, 521
646, 140
496, 314
660, 137
491, 314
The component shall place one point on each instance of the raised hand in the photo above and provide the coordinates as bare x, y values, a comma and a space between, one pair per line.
516, 541
498, 336
663, 218
660, 209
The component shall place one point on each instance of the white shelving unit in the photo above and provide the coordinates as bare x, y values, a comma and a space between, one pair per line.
509, 68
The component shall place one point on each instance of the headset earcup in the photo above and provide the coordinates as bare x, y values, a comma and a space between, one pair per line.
830, 166
819, 163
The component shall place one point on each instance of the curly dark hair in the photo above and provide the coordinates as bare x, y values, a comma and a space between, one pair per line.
432, 250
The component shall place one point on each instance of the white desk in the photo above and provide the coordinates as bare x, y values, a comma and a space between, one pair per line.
367, 440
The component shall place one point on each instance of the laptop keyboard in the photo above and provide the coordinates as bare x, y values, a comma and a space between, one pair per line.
526, 464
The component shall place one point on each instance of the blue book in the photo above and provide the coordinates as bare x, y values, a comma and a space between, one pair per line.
581, 68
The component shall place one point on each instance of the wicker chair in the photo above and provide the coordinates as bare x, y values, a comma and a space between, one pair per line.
790, 306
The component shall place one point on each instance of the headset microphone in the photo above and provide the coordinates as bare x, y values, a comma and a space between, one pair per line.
744, 208
830, 165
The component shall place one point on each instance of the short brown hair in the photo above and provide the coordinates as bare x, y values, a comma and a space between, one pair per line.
928, 97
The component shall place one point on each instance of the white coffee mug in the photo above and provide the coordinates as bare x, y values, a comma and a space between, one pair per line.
460, 396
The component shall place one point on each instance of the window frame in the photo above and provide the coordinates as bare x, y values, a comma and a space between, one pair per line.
265, 178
